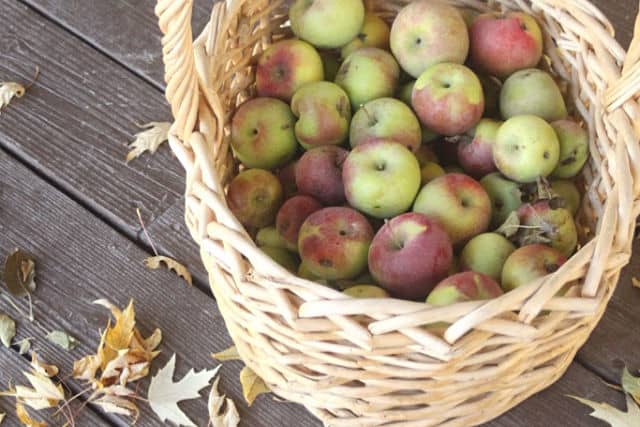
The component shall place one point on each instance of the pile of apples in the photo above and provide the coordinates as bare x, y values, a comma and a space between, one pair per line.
426, 159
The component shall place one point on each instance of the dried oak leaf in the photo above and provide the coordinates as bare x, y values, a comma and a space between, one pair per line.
222, 410
19, 273
25, 418
613, 416
9, 90
252, 385
154, 263
164, 394
62, 340
150, 139
7, 330
229, 354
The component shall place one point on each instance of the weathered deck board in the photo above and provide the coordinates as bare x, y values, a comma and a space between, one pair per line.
81, 259
74, 124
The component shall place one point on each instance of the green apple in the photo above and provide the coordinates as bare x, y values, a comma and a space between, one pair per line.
466, 286
574, 148
262, 133
366, 291
544, 223
324, 114
428, 32
334, 243
386, 118
529, 263
526, 149
269, 236
568, 192
448, 98
254, 197
327, 23
283, 257
458, 203
287, 66
506, 197
431, 171
367, 74
381, 178
374, 33
486, 253
533, 92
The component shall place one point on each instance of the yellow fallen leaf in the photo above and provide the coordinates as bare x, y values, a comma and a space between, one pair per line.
229, 354
119, 336
118, 405
25, 419
43, 393
9, 90
252, 385
150, 139
222, 410
154, 263
635, 282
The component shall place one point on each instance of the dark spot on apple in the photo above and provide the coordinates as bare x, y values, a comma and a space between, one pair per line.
326, 263
546, 155
343, 107
381, 166
342, 233
498, 204
377, 207
551, 267
569, 160
446, 85
523, 26
419, 41
362, 37
465, 202
255, 131
285, 126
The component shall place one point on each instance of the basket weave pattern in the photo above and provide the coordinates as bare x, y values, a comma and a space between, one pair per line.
372, 362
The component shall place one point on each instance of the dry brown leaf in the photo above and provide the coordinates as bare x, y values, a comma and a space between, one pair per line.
119, 336
25, 419
150, 139
19, 273
154, 263
229, 354
613, 416
635, 282
222, 410
43, 393
7, 330
164, 394
118, 405
252, 385
9, 90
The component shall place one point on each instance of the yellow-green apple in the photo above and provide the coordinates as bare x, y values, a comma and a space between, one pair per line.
466, 286
404, 94
504, 44
526, 149
532, 91
305, 273
381, 178
287, 178
282, 256
319, 174
491, 87
366, 291
506, 197
409, 255
285, 67
327, 23
262, 133
475, 150
448, 98
374, 33
544, 223
459, 203
428, 32
529, 263
568, 192
254, 197
269, 236
425, 154
334, 243
291, 216
323, 112
386, 118
574, 148
367, 74
486, 253
430, 171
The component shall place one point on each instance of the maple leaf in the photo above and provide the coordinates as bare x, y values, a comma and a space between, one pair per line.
164, 394
7, 330
154, 263
252, 385
229, 354
25, 418
611, 415
44, 393
150, 139
119, 336
219, 417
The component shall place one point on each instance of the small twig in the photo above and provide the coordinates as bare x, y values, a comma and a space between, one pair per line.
144, 230
35, 78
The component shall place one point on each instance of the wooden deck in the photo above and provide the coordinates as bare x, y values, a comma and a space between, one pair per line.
67, 196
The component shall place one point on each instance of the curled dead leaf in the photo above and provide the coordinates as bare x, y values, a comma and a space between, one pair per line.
19, 273
10, 90
118, 405
154, 263
229, 354
252, 385
150, 139
25, 418
222, 410
7, 330
511, 226
43, 393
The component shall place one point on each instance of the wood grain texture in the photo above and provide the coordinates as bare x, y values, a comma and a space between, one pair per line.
11, 368
74, 124
80, 259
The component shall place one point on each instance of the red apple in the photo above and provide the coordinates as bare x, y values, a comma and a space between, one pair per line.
319, 174
409, 255
546, 223
528, 264
467, 286
254, 197
475, 151
287, 178
291, 216
334, 242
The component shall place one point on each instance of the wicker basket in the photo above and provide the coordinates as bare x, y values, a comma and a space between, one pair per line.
371, 362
